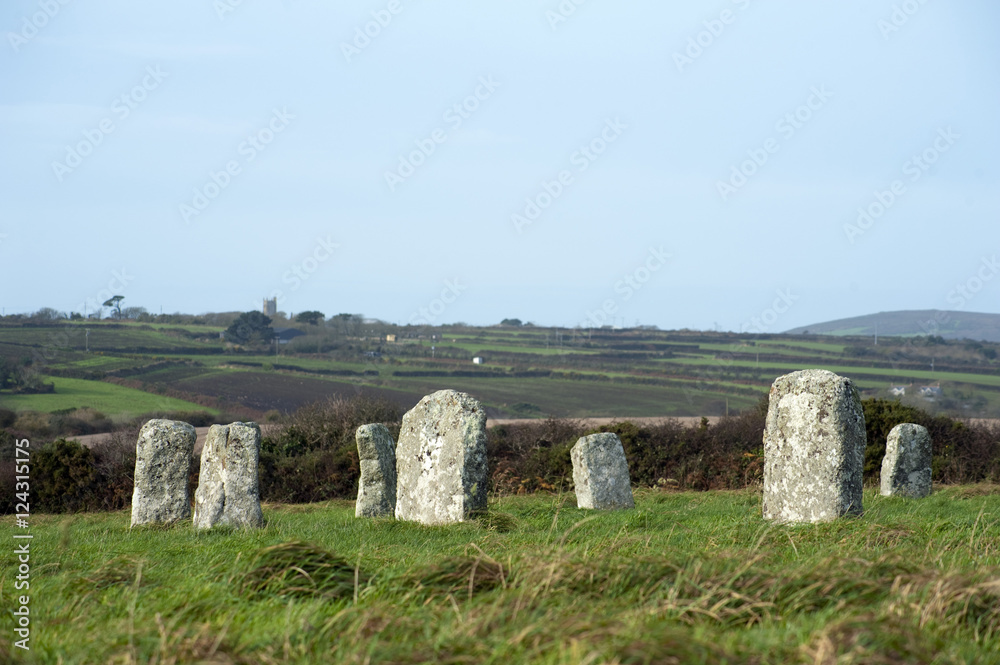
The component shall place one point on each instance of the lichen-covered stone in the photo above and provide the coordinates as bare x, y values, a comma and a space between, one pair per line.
377, 486
814, 445
441, 460
228, 483
162, 460
906, 467
600, 473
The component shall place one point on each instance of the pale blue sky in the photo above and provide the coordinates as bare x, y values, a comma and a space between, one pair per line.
313, 217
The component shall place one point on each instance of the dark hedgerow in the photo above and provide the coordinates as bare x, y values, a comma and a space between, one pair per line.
313, 456
64, 478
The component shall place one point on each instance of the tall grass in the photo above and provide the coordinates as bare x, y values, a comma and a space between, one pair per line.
684, 578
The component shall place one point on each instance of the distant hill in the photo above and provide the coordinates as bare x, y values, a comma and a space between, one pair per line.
947, 324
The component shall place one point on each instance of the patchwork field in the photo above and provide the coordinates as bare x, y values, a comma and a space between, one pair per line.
524, 372
105, 397
683, 578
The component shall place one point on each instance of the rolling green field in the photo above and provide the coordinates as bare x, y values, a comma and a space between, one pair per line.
683, 578
920, 375
104, 397
107, 337
527, 372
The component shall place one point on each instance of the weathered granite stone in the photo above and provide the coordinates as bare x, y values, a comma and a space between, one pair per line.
228, 490
441, 460
906, 467
814, 448
377, 486
600, 473
162, 460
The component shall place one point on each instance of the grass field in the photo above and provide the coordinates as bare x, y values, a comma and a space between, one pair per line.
101, 362
107, 398
783, 347
683, 578
108, 337
534, 346
566, 398
811, 346
846, 370
597, 372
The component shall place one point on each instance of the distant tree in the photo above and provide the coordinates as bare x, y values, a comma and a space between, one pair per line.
348, 323
134, 313
250, 327
115, 302
512, 322
8, 373
21, 378
311, 317
75, 316
48, 314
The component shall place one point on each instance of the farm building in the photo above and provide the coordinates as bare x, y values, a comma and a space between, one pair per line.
285, 335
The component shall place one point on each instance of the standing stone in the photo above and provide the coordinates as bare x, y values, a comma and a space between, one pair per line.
228, 490
377, 487
906, 467
814, 448
441, 460
600, 473
162, 460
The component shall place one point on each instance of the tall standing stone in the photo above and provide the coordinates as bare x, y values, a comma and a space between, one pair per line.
377, 486
814, 448
162, 460
906, 467
600, 473
441, 460
228, 484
